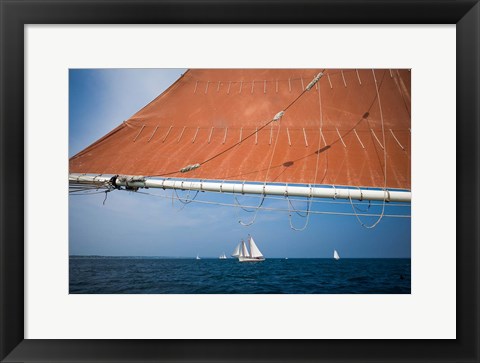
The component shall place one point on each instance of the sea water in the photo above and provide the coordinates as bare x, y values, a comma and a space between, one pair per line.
141, 275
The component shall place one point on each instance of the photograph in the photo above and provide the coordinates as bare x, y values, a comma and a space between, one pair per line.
167, 164
240, 181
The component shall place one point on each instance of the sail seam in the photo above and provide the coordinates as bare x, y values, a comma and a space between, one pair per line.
398, 142
135, 139
153, 133
343, 77
358, 138
168, 132
358, 76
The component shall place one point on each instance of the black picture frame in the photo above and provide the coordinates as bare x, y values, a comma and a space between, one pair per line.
15, 14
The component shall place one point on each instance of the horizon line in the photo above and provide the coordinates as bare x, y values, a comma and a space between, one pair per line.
217, 257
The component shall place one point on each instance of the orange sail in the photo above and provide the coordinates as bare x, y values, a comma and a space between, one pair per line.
351, 128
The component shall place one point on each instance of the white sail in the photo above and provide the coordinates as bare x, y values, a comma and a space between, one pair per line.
335, 255
236, 252
254, 251
244, 252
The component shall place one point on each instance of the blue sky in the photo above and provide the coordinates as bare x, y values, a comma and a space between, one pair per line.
137, 224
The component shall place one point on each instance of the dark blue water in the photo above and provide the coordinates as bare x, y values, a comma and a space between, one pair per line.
213, 276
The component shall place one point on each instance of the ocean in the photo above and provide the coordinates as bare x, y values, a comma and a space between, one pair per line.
143, 275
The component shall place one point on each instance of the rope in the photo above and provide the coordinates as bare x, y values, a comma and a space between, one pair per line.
106, 195
321, 138
186, 201
295, 210
309, 204
241, 206
326, 201
255, 215
307, 214
73, 195
278, 118
384, 163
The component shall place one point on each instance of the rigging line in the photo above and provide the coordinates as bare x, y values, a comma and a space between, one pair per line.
361, 196
384, 163
87, 193
266, 178
309, 204
296, 210
186, 200
328, 201
307, 215
241, 206
366, 114
78, 190
401, 94
255, 215
267, 171
276, 209
106, 195
366, 210
271, 159
320, 136
265, 182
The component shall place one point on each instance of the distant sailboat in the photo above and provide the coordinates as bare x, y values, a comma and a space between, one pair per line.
245, 256
335, 255
198, 258
223, 257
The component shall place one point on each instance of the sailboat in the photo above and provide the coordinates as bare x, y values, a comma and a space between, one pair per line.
244, 255
335, 255
198, 258
223, 257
